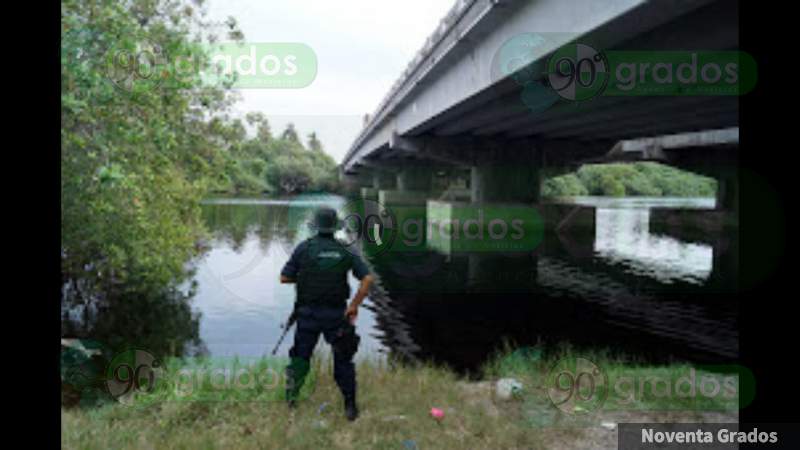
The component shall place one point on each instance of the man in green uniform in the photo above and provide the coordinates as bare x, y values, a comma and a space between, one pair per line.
319, 267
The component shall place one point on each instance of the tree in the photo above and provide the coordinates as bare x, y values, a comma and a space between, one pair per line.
136, 158
290, 134
313, 143
290, 174
263, 130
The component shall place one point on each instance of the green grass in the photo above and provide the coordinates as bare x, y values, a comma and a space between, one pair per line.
395, 401
631, 384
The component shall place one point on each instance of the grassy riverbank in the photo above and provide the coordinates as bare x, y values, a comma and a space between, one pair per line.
395, 402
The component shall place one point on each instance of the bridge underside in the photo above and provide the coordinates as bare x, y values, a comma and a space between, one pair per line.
456, 137
449, 119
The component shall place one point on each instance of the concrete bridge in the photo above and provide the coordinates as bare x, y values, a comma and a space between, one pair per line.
459, 109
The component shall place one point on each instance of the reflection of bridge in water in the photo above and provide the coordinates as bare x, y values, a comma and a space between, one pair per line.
460, 308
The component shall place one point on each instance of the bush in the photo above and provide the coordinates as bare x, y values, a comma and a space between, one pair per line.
633, 179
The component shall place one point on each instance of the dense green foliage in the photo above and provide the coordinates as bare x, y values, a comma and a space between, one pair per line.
633, 179
134, 165
265, 164
137, 158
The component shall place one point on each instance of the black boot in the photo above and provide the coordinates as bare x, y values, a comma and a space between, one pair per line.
350, 408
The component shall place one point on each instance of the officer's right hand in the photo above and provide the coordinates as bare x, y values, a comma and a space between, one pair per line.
352, 313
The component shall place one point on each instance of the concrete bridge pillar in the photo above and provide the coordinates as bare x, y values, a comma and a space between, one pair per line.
506, 176
383, 179
360, 184
407, 204
408, 186
415, 179
413, 187
499, 182
375, 180
728, 192
497, 229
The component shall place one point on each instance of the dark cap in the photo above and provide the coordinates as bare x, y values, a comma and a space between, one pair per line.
325, 220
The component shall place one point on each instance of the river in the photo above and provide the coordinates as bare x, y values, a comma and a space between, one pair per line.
635, 291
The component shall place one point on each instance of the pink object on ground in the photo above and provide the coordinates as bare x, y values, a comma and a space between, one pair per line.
437, 413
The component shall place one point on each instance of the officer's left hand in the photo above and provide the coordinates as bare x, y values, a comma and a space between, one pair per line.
352, 313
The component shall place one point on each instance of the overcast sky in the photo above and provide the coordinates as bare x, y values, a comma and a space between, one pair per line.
362, 46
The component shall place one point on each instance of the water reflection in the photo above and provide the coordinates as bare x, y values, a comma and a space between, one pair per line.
161, 321
633, 290
241, 301
625, 240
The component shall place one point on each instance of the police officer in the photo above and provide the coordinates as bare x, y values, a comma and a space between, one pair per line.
318, 267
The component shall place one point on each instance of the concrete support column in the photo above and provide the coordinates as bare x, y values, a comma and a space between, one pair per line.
407, 204
375, 181
384, 180
722, 164
503, 176
498, 229
728, 192
497, 183
725, 273
360, 184
413, 187
368, 193
415, 179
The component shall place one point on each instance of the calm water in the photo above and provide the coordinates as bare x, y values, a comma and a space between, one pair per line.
241, 301
624, 287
